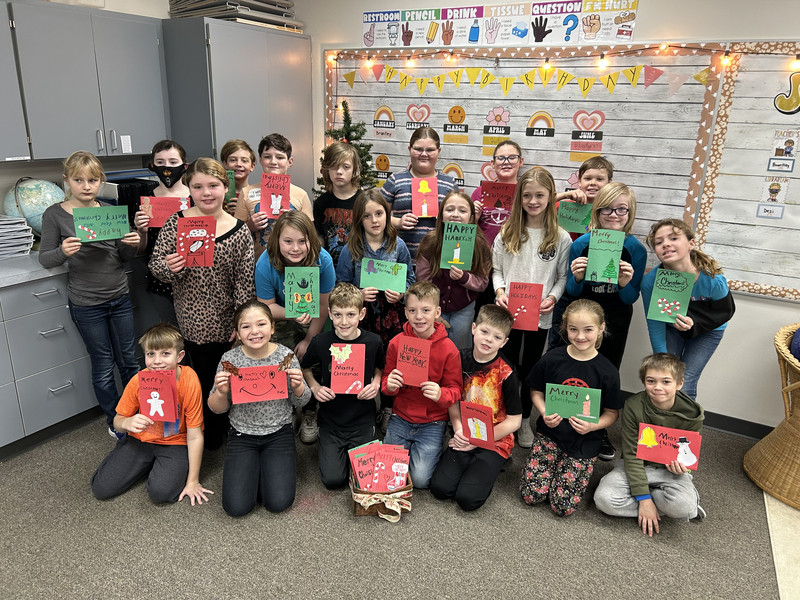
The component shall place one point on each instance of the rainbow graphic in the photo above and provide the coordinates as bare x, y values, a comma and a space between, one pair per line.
384, 113
454, 171
540, 125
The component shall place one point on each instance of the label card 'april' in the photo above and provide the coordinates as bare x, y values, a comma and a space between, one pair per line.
672, 291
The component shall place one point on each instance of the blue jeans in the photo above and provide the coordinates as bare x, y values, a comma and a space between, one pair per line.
107, 330
460, 331
424, 443
694, 353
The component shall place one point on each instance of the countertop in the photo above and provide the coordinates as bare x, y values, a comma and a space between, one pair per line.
25, 268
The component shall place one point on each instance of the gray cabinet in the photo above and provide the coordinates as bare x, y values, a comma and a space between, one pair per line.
229, 80
13, 137
90, 81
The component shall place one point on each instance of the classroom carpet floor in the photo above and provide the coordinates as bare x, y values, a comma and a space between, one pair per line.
59, 542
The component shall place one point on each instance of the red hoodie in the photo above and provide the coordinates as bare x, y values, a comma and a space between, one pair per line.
444, 368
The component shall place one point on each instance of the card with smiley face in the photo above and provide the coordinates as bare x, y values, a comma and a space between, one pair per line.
258, 384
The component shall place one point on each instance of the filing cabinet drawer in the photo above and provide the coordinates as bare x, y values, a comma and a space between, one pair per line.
56, 394
43, 340
10, 419
6, 375
33, 296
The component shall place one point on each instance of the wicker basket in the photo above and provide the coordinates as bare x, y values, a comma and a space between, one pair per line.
389, 506
774, 462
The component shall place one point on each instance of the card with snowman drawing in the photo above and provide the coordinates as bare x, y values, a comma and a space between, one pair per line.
664, 444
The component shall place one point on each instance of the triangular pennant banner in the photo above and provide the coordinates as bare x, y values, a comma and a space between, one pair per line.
675, 82
350, 78
456, 76
377, 70
472, 74
651, 74
563, 78
506, 83
365, 74
610, 81
528, 78
438, 81
585, 83
545, 75
632, 74
405, 80
486, 78
702, 76
390, 73
422, 83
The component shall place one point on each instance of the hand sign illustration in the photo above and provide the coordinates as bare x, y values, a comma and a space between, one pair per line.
591, 26
492, 27
447, 32
540, 30
369, 37
407, 34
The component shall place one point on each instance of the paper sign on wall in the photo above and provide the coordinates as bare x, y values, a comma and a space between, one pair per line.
497, 195
672, 291
477, 424
524, 302
301, 289
574, 217
158, 398
425, 196
275, 198
605, 251
257, 384
665, 444
458, 245
347, 368
98, 223
571, 401
159, 208
413, 357
195, 240
383, 275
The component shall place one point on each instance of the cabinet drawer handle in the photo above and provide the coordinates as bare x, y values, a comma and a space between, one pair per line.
101, 143
61, 387
44, 293
49, 331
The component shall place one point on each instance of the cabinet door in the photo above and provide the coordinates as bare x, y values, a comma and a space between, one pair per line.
10, 418
59, 80
13, 136
129, 72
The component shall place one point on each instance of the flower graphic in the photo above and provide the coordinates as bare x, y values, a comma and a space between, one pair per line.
498, 116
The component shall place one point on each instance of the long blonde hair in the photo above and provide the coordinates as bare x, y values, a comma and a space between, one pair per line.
515, 232
702, 261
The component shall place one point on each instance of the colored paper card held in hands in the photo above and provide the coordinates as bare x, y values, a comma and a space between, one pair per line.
524, 302
413, 357
572, 401
275, 198
347, 368
257, 384
497, 195
665, 444
159, 209
301, 288
231, 191
196, 240
574, 217
158, 395
458, 245
95, 224
477, 424
425, 196
383, 275
672, 291
605, 250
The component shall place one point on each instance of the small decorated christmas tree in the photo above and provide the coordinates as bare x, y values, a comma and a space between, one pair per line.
610, 271
351, 133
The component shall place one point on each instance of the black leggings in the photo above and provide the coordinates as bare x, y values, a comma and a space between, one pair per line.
531, 351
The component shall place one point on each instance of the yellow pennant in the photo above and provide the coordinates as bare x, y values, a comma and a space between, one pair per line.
610, 81
456, 76
702, 76
585, 83
350, 78
563, 78
390, 73
528, 78
405, 80
438, 81
422, 83
545, 75
506, 83
472, 74
486, 78
632, 74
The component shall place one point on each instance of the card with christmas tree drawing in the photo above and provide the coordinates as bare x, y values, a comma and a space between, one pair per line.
672, 291
664, 444
425, 196
458, 245
572, 401
574, 217
477, 424
497, 195
605, 251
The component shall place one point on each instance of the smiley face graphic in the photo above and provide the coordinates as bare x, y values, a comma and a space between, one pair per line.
456, 115
382, 163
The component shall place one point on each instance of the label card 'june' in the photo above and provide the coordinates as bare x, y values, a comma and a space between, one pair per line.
672, 291
383, 275
605, 251
301, 288
413, 357
458, 245
665, 444
196, 240
524, 302
571, 401
347, 368
424, 196
95, 224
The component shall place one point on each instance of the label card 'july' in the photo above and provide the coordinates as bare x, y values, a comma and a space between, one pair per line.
665, 444
196, 240
477, 424
574, 217
347, 368
301, 288
158, 397
275, 197
571, 401
383, 275
424, 196
413, 357
524, 302
98, 223
672, 291
257, 384
605, 250
458, 245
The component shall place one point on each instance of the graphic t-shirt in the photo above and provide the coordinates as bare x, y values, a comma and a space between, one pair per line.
333, 219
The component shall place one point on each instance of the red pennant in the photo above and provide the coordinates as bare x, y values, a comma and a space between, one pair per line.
651, 74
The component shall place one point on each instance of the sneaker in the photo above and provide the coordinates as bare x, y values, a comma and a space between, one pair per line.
384, 417
308, 428
524, 434
607, 450
701, 513
115, 434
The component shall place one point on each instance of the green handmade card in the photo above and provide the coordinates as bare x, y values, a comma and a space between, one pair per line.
571, 401
605, 250
457, 245
231, 191
383, 275
574, 217
95, 224
301, 287
672, 291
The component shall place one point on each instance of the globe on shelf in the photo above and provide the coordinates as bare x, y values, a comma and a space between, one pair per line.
29, 198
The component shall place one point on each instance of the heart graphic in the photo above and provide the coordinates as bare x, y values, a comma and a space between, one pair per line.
418, 113
487, 170
586, 121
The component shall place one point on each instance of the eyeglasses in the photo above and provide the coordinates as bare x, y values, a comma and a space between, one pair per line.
607, 210
418, 150
511, 159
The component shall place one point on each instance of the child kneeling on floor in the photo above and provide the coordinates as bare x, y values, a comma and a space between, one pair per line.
646, 490
466, 472
168, 454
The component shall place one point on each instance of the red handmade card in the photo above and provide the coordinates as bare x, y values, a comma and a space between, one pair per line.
524, 301
497, 195
159, 209
477, 424
196, 240
665, 444
275, 198
256, 384
347, 368
413, 357
158, 397
425, 196
389, 469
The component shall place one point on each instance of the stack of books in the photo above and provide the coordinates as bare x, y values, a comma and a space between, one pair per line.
16, 238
